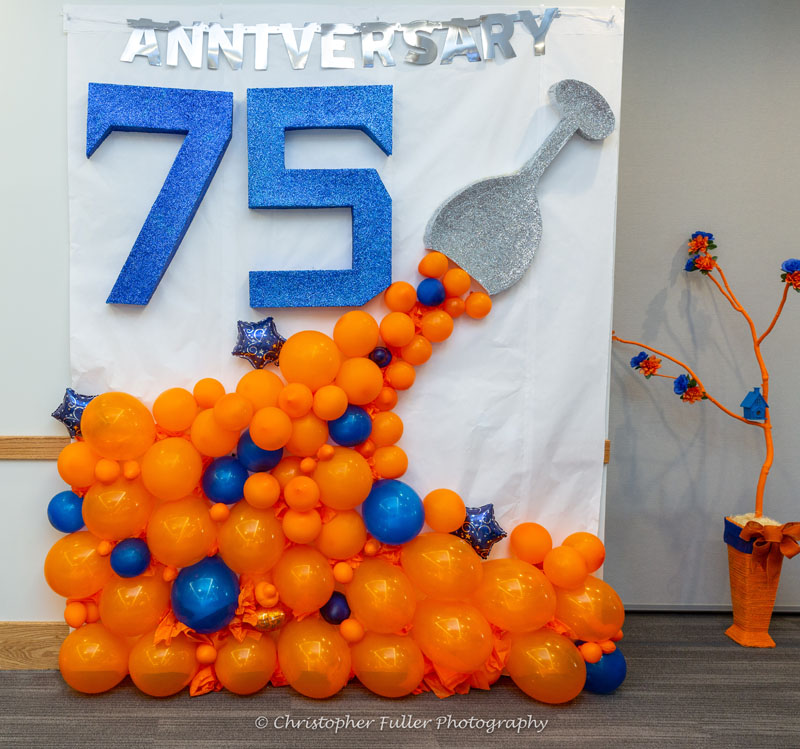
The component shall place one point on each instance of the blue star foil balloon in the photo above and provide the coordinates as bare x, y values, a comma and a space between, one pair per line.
481, 530
258, 342
70, 411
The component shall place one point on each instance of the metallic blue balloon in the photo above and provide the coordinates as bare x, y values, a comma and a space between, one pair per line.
71, 409
253, 458
430, 292
224, 480
351, 428
393, 512
130, 557
481, 529
607, 674
65, 512
259, 342
205, 596
381, 356
336, 610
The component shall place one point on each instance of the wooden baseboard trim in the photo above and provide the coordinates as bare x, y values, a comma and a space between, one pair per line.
32, 448
30, 646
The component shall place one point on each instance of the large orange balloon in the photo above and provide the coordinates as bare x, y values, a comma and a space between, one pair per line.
250, 540
442, 566
593, 611
546, 666
117, 510
181, 533
345, 480
311, 358
174, 410
76, 464
515, 596
314, 657
343, 536
73, 568
309, 433
361, 379
161, 670
245, 667
131, 606
356, 333
304, 579
389, 665
171, 468
210, 438
92, 659
261, 388
381, 596
452, 634
118, 426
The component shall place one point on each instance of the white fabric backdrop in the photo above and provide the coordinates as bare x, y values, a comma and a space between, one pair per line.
511, 409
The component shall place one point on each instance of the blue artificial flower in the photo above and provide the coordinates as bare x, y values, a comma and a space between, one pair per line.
707, 235
681, 384
792, 265
690, 266
638, 359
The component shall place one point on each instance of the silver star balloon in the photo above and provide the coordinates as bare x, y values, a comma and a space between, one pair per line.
481, 530
258, 342
70, 411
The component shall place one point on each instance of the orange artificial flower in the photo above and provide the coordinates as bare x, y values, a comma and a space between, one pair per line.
650, 366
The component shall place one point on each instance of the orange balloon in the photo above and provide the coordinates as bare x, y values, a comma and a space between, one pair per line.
546, 666
171, 468
390, 462
246, 667
301, 527
118, 510
442, 566
261, 388
262, 490
92, 659
73, 568
286, 470
304, 579
76, 464
456, 282
161, 670
343, 536
330, 402
250, 540
381, 596
436, 325
400, 296
531, 542
356, 333
181, 533
454, 306
174, 410
311, 358
131, 606
118, 426
75, 614
233, 412
397, 329
270, 428
387, 428
309, 433
388, 665
590, 547
478, 305
387, 399
453, 634
515, 596
296, 400
565, 567
593, 611
345, 480
400, 375
418, 351
444, 510
361, 379
210, 438
314, 657
433, 265
106, 470
301, 493
208, 391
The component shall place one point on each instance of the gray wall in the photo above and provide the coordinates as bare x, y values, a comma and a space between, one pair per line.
710, 109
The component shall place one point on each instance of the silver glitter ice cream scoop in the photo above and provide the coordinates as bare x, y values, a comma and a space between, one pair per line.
492, 228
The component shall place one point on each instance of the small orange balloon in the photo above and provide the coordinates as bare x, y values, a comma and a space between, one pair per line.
590, 547
207, 392
181, 533
356, 333
593, 611
444, 510
76, 464
361, 379
418, 351
117, 510
591, 652
324, 453
74, 569
206, 654
131, 469
456, 282
381, 596
174, 410
387, 428
309, 465
531, 542
433, 265
478, 305
565, 567
131, 606
400, 375
233, 412
270, 428
286, 470
296, 400
388, 665
92, 612
301, 527
304, 579
351, 630
171, 468
92, 659
309, 433
437, 325
246, 667
219, 512
262, 490
390, 462
343, 536
330, 402
442, 565
250, 540
367, 448
387, 399
342, 573
261, 388
106, 470
75, 614
117, 426
400, 296
210, 438
162, 670
345, 480
311, 358
454, 306
397, 329
301, 493
104, 548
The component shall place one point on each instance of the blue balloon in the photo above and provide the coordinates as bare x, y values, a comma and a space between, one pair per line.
65, 512
130, 557
224, 480
253, 458
336, 610
393, 512
607, 674
381, 356
205, 596
351, 428
430, 292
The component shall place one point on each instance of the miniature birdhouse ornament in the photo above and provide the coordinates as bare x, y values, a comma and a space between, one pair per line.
754, 406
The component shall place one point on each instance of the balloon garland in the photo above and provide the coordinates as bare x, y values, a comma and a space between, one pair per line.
264, 535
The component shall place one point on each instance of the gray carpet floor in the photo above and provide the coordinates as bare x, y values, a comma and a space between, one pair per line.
687, 686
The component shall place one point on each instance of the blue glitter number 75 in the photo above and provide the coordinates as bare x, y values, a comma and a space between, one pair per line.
270, 113
206, 118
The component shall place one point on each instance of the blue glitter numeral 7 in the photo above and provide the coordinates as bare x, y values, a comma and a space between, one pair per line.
270, 113
205, 118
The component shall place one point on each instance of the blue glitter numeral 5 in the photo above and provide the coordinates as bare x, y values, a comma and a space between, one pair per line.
205, 118
272, 111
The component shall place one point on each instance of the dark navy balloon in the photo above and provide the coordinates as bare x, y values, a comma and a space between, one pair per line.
430, 292
336, 610
393, 512
205, 596
381, 356
253, 458
607, 674
130, 557
351, 428
224, 480
65, 512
